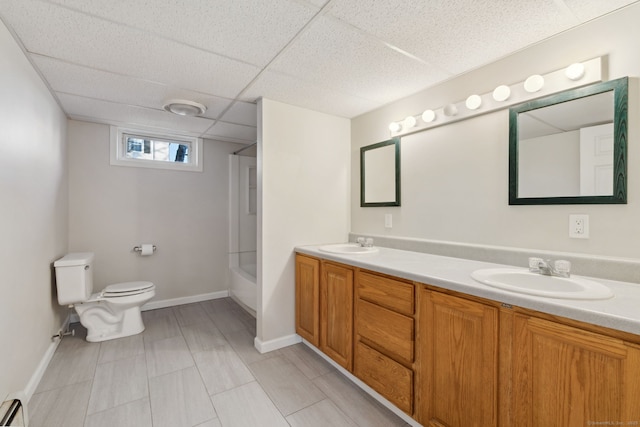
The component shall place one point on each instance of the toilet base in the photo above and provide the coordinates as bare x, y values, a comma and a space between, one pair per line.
103, 322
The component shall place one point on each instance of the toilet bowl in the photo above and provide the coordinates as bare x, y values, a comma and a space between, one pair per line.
111, 313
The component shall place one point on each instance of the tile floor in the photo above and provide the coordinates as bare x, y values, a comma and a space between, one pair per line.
195, 365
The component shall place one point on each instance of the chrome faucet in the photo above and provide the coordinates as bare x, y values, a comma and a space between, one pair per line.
560, 268
365, 242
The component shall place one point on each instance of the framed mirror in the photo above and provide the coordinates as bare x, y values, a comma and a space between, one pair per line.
380, 174
571, 147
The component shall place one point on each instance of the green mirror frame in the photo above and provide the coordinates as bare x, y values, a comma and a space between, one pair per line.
363, 174
620, 107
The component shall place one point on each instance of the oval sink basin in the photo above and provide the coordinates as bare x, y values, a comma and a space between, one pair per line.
525, 282
348, 249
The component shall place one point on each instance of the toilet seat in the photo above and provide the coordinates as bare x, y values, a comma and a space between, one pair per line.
126, 289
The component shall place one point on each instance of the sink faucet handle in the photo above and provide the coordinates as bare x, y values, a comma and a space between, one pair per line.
563, 267
360, 241
534, 264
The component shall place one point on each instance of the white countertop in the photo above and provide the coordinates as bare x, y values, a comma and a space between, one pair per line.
621, 312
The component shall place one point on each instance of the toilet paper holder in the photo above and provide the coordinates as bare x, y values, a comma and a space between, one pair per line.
139, 248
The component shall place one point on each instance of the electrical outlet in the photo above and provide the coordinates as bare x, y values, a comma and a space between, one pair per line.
579, 226
388, 221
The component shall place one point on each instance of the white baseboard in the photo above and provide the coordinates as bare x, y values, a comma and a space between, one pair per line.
278, 343
32, 385
153, 305
371, 392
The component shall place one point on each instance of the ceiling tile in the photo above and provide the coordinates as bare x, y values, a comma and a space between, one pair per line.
287, 89
244, 113
334, 55
54, 31
232, 132
586, 10
248, 30
78, 80
112, 113
456, 35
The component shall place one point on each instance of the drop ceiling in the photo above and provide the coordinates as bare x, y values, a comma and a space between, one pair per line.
118, 61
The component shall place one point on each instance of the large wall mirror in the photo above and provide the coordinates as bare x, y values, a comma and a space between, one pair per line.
571, 147
380, 174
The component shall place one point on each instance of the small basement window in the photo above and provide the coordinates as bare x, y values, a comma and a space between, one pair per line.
143, 149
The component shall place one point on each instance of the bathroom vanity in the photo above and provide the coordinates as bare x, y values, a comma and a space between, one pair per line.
450, 351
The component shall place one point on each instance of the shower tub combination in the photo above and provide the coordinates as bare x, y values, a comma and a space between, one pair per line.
243, 286
242, 231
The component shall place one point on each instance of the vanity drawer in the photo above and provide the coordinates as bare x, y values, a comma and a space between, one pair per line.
386, 376
393, 294
389, 331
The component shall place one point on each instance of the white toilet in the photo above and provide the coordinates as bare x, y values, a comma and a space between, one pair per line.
112, 313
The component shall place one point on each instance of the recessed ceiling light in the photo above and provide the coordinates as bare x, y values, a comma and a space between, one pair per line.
182, 107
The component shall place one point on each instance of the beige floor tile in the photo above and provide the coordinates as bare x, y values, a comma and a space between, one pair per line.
132, 414
159, 325
242, 342
74, 361
121, 348
118, 382
62, 407
229, 317
180, 399
203, 336
167, 355
234, 410
190, 313
222, 369
321, 414
285, 384
355, 403
306, 360
210, 423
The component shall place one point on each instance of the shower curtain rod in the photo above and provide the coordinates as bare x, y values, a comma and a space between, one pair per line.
244, 148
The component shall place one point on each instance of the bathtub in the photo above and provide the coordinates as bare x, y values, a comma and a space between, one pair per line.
243, 286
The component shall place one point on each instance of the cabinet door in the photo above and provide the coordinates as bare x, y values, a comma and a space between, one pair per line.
564, 376
458, 362
308, 298
336, 314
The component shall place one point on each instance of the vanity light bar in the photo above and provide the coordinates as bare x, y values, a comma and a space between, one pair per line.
503, 96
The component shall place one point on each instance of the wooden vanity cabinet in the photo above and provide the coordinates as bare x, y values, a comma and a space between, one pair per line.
385, 337
336, 313
458, 382
450, 359
308, 298
565, 376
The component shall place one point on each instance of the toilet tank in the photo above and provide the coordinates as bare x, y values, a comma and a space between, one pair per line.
74, 277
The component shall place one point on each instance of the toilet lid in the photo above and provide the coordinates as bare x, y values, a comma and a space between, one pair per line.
126, 288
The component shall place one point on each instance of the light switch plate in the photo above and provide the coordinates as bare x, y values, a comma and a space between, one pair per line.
388, 221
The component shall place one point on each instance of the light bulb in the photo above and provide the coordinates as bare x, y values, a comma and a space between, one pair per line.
534, 83
473, 102
395, 127
501, 93
575, 71
409, 122
428, 116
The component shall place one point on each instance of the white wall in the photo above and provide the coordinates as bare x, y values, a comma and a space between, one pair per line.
455, 177
185, 214
303, 198
33, 217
